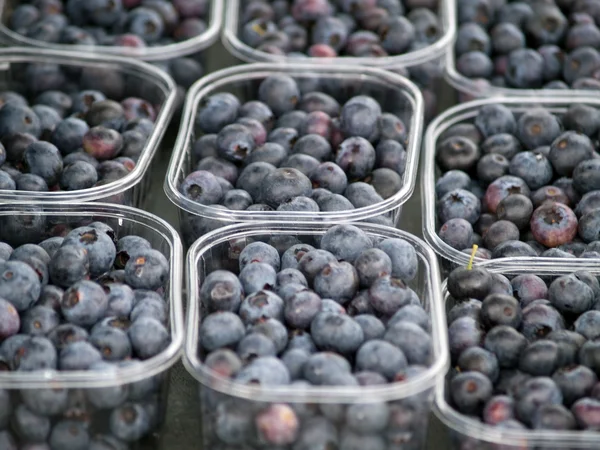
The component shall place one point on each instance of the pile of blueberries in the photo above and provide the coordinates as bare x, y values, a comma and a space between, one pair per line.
294, 150
551, 44
80, 299
522, 184
119, 23
68, 137
323, 28
525, 349
339, 313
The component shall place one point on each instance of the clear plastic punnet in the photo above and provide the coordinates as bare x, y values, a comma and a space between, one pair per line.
408, 402
470, 433
396, 94
469, 89
241, 50
86, 401
126, 77
466, 113
149, 53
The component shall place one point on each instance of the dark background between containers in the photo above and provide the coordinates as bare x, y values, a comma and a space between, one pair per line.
181, 430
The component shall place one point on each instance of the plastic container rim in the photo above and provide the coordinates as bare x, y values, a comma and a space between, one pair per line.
236, 74
239, 49
158, 77
159, 53
462, 424
458, 114
123, 375
314, 394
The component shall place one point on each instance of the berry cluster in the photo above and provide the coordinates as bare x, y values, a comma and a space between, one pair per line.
524, 349
339, 314
523, 184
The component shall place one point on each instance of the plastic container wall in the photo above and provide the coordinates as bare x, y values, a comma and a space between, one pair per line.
395, 94
117, 77
467, 433
424, 66
150, 53
220, 250
65, 396
465, 113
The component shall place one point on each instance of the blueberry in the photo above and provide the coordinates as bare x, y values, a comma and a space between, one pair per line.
506, 343
78, 355
498, 409
412, 340
472, 37
336, 332
372, 327
459, 204
261, 304
540, 358
221, 291
113, 343
301, 309
221, 329
503, 144
362, 195
69, 434
457, 153
470, 392
585, 411
539, 320
266, 371
18, 118
381, 357
570, 295
149, 269
338, 281
553, 224
66, 333
475, 64
528, 287
479, 360
574, 382
280, 93
39, 321
19, 284
536, 392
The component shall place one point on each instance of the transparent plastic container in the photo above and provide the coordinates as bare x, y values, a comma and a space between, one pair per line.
466, 113
467, 433
469, 89
158, 53
131, 78
395, 94
23, 223
424, 66
241, 50
220, 250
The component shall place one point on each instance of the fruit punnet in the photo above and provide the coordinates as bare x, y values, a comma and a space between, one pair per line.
529, 45
521, 184
80, 300
523, 349
338, 314
356, 28
294, 151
